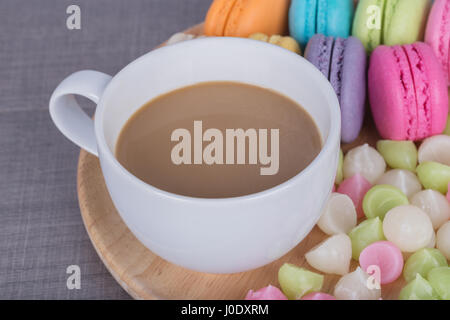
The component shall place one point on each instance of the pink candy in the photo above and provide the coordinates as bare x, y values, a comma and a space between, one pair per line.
386, 256
448, 193
267, 293
356, 188
318, 296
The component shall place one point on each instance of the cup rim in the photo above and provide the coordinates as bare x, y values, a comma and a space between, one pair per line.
326, 88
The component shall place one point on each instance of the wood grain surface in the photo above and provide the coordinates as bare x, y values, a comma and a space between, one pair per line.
144, 275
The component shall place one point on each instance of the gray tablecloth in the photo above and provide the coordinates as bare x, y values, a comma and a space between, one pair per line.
41, 231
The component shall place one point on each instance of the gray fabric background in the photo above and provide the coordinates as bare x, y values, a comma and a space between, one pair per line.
41, 232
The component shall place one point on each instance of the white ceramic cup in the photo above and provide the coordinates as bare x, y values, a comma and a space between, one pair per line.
209, 235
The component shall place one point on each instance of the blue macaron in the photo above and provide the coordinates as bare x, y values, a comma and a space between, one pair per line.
328, 17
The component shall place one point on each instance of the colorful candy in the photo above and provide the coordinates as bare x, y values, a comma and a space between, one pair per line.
418, 289
288, 43
386, 256
404, 180
356, 188
296, 282
267, 293
448, 192
179, 37
382, 198
366, 233
447, 127
434, 204
354, 286
399, 154
422, 262
339, 215
439, 279
408, 227
318, 296
434, 175
436, 148
340, 172
432, 243
366, 161
332, 255
443, 239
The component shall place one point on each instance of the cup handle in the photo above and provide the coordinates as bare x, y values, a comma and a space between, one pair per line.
67, 114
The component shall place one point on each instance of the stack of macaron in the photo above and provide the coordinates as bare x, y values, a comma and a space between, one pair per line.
397, 49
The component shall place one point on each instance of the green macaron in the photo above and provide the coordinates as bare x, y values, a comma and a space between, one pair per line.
390, 22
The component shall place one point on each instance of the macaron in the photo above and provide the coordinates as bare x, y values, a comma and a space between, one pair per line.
408, 92
241, 18
390, 22
437, 34
328, 17
343, 62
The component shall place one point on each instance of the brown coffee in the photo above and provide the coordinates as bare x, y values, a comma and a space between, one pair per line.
218, 140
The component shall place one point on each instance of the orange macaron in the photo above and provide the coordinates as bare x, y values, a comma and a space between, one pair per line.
241, 18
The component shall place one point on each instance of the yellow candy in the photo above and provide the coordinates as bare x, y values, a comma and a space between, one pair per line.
275, 39
284, 42
259, 36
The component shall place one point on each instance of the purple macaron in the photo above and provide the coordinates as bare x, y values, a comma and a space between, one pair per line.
344, 63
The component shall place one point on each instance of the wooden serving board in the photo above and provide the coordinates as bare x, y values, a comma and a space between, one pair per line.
144, 275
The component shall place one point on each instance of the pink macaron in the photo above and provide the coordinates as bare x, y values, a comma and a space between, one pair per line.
408, 92
437, 34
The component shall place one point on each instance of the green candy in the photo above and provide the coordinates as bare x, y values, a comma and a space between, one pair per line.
422, 262
418, 289
382, 198
434, 176
296, 282
364, 234
439, 279
340, 172
447, 128
399, 154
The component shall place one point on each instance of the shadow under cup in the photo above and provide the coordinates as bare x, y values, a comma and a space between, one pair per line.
220, 235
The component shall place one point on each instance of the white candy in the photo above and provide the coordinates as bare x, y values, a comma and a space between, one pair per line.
339, 215
404, 180
366, 161
408, 227
179, 37
435, 149
434, 204
356, 286
443, 239
332, 256
432, 243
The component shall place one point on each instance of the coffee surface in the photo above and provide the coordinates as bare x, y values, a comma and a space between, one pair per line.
168, 143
